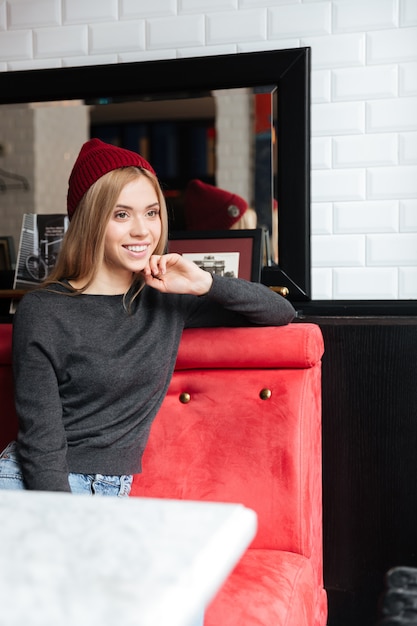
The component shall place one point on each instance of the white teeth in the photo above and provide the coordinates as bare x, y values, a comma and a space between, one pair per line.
136, 248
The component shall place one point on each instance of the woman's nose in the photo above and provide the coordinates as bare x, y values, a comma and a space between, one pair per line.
139, 227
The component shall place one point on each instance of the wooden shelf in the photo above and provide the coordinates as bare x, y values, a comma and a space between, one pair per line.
15, 294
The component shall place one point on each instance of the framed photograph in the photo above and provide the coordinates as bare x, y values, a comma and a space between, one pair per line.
7, 254
236, 253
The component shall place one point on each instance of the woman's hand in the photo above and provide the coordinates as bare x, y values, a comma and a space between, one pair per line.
171, 273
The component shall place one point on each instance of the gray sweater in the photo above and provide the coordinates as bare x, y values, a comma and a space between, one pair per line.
90, 377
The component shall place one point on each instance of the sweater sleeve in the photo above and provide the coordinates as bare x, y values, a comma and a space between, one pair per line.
41, 439
237, 302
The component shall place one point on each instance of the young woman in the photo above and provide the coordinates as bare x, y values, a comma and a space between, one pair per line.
94, 348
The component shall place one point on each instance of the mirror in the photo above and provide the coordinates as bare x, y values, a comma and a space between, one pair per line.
287, 75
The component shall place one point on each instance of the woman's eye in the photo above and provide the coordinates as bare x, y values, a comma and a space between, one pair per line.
153, 213
121, 215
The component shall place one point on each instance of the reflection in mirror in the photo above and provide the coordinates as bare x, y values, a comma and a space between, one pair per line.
224, 139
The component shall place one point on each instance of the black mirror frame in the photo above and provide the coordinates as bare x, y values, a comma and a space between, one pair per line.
288, 69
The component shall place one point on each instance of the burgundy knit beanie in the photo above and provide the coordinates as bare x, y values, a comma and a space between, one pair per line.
95, 159
210, 208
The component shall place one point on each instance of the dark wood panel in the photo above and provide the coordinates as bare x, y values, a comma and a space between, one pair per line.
369, 460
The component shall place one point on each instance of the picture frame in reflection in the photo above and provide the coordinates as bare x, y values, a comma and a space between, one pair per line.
234, 253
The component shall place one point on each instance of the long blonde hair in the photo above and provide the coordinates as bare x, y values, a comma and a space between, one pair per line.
82, 249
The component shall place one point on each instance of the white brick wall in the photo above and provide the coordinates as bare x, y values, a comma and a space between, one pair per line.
364, 105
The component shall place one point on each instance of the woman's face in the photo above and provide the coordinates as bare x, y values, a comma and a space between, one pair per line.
133, 230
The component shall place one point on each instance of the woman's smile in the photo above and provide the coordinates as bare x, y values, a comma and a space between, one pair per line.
136, 248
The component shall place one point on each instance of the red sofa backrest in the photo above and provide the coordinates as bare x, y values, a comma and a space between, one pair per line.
228, 444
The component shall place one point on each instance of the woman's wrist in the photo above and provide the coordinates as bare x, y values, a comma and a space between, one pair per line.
206, 283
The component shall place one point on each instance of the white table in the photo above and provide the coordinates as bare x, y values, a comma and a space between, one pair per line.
75, 560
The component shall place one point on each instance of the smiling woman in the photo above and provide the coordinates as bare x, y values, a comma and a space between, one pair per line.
93, 256
110, 315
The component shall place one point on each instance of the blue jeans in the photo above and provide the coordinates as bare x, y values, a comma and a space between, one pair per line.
92, 484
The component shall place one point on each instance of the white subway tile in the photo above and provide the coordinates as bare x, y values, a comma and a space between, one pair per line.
363, 83
60, 41
338, 250
31, 14
408, 283
389, 46
90, 59
82, 12
337, 118
16, 45
253, 4
321, 152
365, 150
408, 216
205, 6
274, 44
366, 217
146, 55
320, 86
322, 283
236, 27
366, 284
201, 51
121, 36
387, 250
408, 12
175, 32
359, 15
334, 185
408, 148
35, 64
408, 79
299, 20
336, 50
321, 218
393, 114
392, 182
133, 9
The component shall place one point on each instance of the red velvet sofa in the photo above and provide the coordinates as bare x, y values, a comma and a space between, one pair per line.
241, 423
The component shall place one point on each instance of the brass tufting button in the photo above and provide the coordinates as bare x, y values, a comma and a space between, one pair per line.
265, 394
185, 397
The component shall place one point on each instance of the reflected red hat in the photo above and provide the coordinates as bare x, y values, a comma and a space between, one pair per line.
95, 159
210, 208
